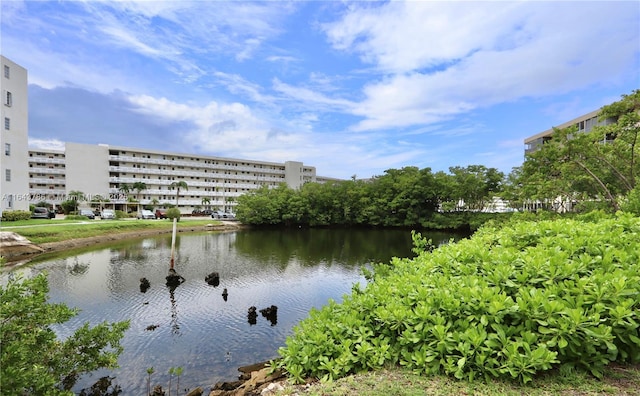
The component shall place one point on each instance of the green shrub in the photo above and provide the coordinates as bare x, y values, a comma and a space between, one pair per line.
508, 302
121, 214
33, 361
631, 203
76, 217
173, 213
15, 215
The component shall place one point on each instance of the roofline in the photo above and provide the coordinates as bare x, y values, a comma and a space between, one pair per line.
567, 124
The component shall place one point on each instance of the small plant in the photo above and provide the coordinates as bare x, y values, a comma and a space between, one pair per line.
171, 371
150, 371
178, 372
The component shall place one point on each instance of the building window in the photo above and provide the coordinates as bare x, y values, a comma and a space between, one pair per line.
6, 71
7, 123
8, 99
7, 174
7, 149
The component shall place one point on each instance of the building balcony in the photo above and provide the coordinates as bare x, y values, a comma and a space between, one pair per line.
195, 164
48, 171
46, 160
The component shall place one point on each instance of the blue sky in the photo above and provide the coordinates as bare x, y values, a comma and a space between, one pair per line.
352, 88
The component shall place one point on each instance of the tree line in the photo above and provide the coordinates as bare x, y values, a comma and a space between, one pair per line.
582, 170
400, 197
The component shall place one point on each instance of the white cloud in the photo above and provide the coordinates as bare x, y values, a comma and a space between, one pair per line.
46, 144
441, 59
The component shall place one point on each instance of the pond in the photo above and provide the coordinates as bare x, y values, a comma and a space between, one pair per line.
194, 326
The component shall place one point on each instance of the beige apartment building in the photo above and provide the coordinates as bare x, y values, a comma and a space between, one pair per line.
106, 174
14, 177
584, 123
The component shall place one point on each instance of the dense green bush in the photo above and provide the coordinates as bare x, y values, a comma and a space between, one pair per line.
508, 302
33, 361
173, 213
15, 215
631, 203
121, 214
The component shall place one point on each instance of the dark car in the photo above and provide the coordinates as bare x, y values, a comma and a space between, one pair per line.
40, 212
87, 213
161, 213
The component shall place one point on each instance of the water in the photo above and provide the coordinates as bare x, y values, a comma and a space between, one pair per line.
197, 329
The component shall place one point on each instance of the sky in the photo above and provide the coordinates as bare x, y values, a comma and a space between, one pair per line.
352, 88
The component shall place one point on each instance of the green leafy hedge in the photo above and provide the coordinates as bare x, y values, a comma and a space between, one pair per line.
15, 215
507, 302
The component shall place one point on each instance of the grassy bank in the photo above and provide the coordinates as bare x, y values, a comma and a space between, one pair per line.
43, 231
618, 380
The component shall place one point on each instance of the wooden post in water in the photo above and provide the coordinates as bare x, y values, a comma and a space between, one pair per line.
173, 242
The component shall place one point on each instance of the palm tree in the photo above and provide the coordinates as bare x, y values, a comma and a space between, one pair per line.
206, 201
154, 202
178, 186
139, 187
75, 196
124, 188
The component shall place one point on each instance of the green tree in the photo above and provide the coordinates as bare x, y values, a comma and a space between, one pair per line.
178, 185
153, 203
33, 361
139, 187
71, 204
125, 188
476, 184
206, 202
599, 166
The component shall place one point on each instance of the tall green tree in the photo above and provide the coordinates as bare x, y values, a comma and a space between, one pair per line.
476, 184
206, 201
179, 185
139, 187
598, 166
33, 361
71, 204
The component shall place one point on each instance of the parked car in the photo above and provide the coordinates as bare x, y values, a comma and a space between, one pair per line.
146, 214
218, 214
40, 212
88, 213
161, 213
205, 212
108, 214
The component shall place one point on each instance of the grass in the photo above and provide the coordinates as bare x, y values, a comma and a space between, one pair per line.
618, 380
44, 231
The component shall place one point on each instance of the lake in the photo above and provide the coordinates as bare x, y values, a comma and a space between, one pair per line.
194, 326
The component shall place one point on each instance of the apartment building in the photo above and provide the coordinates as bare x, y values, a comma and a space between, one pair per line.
584, 123
107, 175
14, 140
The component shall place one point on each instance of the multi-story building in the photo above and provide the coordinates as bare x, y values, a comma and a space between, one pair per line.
584, 123
108, 176
14, 180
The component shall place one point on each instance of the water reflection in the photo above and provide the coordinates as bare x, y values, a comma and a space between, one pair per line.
268, 281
